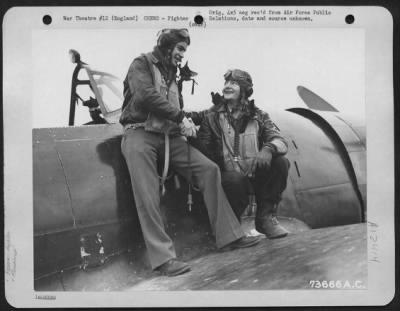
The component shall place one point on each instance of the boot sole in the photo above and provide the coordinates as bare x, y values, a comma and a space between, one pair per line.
272, 237
276, 236
233, 247
177, 272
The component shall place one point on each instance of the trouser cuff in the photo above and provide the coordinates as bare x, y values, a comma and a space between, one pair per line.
236, 234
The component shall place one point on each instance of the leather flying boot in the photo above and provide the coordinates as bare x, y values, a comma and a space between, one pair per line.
243, 242
173, 267
267, 223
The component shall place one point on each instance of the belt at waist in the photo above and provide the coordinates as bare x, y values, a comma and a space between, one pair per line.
133, 126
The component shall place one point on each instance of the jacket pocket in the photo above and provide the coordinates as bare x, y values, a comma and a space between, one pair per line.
249, 145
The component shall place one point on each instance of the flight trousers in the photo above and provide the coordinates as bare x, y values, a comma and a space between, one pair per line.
141, 150
267, 185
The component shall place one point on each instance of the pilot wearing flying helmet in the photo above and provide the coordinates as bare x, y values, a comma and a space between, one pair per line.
249, 150
154, 125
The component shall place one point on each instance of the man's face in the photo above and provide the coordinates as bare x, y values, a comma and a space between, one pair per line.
178, 53
231, 90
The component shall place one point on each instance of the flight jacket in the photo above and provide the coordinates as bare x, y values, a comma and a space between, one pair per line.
210, 141
141, 96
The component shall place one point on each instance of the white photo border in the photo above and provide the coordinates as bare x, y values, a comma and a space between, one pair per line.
18, 24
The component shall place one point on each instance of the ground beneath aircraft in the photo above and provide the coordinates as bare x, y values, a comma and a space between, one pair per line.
335, 253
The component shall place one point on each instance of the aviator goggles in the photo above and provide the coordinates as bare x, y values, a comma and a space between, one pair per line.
238, 75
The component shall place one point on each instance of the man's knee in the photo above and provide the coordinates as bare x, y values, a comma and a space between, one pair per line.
210, 166
279, 167
207, 174
281, 164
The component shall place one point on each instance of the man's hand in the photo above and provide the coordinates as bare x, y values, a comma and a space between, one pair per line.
188, 128
262, 160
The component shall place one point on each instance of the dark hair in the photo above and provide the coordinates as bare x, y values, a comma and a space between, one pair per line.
168, 38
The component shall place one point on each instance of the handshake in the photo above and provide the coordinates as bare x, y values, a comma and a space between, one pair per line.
188, 128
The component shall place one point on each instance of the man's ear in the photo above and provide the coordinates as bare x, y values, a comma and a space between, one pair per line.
243, 97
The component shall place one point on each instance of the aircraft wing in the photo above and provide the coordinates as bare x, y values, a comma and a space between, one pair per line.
336, 253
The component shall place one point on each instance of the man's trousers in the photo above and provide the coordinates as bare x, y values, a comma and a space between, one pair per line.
142, 150
267, 185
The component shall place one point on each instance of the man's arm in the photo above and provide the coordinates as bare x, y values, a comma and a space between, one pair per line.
205, 141
271, 137
197, 116
141, 85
